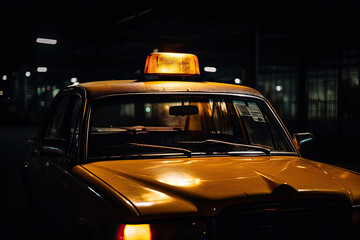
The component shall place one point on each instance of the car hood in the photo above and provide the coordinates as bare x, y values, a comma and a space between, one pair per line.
204, 186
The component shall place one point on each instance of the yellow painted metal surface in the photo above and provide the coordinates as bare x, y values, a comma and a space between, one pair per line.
206, 185
105, 88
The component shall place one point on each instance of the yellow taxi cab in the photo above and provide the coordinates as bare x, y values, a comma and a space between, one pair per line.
172, 157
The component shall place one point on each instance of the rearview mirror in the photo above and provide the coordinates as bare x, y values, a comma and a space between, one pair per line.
303, 141
53, 147
183, 110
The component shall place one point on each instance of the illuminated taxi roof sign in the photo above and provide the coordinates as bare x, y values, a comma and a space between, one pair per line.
172, 64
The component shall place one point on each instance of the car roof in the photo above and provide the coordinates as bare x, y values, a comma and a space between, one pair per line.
113, 87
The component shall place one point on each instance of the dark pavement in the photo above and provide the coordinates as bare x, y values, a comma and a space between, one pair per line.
17, 223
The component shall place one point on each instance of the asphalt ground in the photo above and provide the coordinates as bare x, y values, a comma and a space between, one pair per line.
17, 221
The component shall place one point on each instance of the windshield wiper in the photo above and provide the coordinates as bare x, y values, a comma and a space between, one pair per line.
186, 152
130, 130
252, 147
214, 141
135, 129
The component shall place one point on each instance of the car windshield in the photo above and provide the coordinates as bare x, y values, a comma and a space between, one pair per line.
163, 125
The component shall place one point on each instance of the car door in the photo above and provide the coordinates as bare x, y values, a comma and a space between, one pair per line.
36, 164
58, 180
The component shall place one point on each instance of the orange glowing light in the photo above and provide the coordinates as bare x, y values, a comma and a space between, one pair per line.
178, 64
134, 232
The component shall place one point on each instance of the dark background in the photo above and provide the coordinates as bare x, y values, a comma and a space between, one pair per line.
304, 56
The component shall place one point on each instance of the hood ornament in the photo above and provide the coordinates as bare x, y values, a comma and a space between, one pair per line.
284, 191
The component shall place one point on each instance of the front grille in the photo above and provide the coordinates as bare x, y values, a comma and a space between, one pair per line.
285, 220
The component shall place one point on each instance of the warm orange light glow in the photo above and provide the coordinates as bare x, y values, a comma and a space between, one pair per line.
180, 64
179, 179
134, 232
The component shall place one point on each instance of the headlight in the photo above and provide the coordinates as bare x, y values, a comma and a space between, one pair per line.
356, 221
190, 230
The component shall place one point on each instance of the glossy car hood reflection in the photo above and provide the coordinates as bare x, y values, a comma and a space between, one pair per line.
204, 186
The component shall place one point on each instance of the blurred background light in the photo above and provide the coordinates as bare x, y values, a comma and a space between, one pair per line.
46, 41
210, 69
42, 69
237, 80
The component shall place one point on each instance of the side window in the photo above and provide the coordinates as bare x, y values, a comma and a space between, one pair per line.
75, 125
54, 131
65, 122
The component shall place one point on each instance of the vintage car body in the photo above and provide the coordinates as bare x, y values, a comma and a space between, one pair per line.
218, 195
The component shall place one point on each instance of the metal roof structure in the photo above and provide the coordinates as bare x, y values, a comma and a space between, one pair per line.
105, 88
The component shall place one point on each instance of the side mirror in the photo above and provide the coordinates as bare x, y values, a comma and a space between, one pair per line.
304, 141
53, 147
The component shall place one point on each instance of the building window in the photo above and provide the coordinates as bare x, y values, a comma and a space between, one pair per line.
322, 94
278, 84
